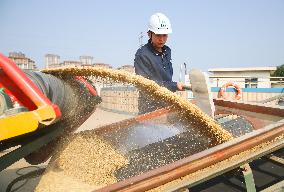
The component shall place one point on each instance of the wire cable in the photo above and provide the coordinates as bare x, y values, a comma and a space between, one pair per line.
26, 177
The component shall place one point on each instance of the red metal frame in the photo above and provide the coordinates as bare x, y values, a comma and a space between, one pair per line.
12, 97
20, 86
87, 84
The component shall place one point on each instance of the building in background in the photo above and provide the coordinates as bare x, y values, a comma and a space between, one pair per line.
128, 68
250, 77
86, 60
52, 60
22, 61
102, 65
71, 63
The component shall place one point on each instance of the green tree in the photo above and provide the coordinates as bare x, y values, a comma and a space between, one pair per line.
279, 71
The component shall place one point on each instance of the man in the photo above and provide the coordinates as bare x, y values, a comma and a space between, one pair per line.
153, 61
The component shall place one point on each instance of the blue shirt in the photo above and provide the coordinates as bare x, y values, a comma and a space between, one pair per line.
156, 66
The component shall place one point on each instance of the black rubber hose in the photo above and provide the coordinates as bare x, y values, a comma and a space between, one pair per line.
68, 94
51, 86
75, 101
27, 176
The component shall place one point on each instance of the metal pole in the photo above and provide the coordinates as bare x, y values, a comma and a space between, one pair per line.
185, 69
180, 72
141, 39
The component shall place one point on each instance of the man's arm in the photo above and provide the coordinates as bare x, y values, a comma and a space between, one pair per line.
143, 68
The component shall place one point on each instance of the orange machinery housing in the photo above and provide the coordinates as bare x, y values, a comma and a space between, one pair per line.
34, 104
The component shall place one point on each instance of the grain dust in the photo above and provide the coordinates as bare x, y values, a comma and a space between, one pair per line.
92, 160
87, 158
188, 110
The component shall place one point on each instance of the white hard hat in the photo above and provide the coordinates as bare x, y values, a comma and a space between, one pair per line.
160, 24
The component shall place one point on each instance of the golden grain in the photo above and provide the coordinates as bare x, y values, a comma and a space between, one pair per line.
184, 107
88, 158
91, 159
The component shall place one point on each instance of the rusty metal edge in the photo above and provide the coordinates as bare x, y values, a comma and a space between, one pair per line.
273, 146
252, 107
175, 170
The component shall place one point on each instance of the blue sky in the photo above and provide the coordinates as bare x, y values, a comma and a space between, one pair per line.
206, 33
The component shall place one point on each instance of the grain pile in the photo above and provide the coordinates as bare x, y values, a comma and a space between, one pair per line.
88, 158
187, 110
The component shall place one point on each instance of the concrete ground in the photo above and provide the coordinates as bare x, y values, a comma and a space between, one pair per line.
99, 118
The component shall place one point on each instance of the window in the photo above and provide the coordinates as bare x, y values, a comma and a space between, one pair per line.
251, 83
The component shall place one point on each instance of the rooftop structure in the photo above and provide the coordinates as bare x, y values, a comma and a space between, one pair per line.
22, 61
71, 63
102, 65
129, 68
86, 60
52, 61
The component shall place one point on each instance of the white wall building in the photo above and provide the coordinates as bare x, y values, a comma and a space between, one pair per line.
250, 77
22, 61
86, 60
128, 68
52, 60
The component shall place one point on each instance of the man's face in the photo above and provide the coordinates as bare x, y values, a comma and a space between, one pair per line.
158, 40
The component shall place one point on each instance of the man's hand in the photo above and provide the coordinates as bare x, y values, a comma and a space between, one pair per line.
180, 86
183, 87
